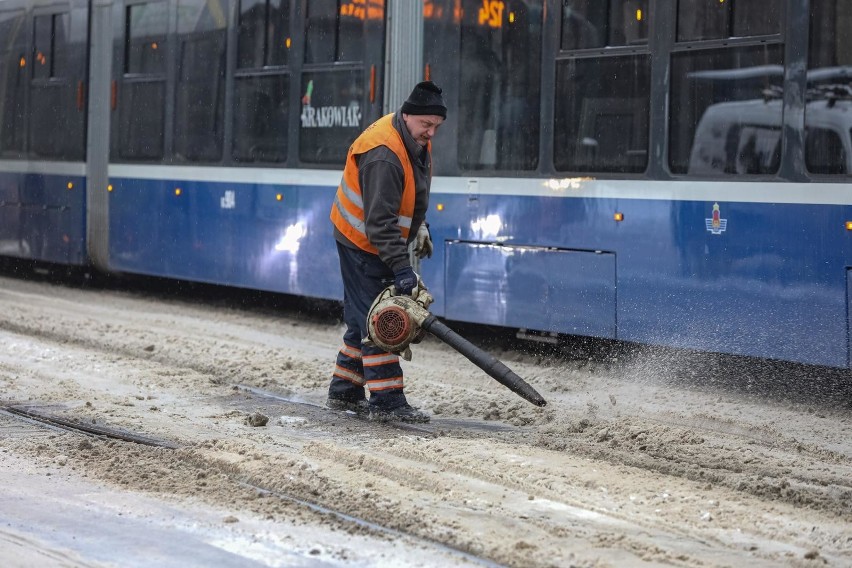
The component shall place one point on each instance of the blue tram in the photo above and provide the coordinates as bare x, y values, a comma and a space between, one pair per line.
669, 172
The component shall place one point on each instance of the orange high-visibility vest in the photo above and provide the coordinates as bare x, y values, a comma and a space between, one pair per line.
347, 212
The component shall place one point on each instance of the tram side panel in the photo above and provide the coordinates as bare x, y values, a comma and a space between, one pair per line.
767, 281
264, 236
42, 217
751, 278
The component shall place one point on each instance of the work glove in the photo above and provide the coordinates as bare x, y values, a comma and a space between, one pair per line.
405, 281
423, 242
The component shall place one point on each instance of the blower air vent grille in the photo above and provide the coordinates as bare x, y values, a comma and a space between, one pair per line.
392, 325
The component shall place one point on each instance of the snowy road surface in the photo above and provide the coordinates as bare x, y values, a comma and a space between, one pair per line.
628, 464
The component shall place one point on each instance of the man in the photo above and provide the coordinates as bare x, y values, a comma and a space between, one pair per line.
380, 208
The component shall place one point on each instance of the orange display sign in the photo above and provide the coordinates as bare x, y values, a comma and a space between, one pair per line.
363, 9
491, 13
432, 12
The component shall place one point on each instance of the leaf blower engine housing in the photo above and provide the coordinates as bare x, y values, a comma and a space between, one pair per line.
394, 322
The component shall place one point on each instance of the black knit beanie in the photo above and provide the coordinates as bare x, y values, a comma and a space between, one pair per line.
425, 99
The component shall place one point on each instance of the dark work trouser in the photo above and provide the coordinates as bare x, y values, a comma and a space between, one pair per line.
357, 365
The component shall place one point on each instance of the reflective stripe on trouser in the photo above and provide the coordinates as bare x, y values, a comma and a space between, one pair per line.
348, 367
347, 381
364, 277
382, 371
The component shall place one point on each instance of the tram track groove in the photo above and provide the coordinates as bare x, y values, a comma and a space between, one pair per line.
58, 424
79, 427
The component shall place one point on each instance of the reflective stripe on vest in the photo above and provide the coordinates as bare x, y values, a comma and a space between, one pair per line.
352, 219
347, 212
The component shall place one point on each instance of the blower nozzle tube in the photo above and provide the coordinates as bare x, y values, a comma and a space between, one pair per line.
488, 363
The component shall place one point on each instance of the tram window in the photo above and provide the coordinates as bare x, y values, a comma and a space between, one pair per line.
62, 54
278, 40
334, 29
829, 107
13, 67
756, 17
51, 102
141, 119
350, 42
200, 92
264, 33
593, 23
715, 19
141, 105
824, 152
42, 57
704, 84
260, 118
321, 31
48, 113
251, 41
602, 107
49, 45
830, 44
331, 115
498, 115
727, 145
145, 51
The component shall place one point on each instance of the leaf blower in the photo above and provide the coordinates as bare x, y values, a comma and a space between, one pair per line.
395, 322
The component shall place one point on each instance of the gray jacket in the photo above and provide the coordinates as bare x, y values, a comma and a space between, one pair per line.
381, 177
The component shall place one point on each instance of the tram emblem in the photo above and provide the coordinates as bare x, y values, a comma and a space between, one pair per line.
229, 200
716, 225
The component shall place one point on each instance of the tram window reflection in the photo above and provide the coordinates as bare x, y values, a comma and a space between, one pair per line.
335, 34
145, 48
141, 118
142, 93
51, 106
62, 51
48, 115
828, 112
264, 33
278, 33
718, 92
251, 37
824, 152
200, 89
756, 17
715, 19
260, 118
42, 53
499, 113
350, 43
13, 69
332, 114
593, 23
602, 108
320, 31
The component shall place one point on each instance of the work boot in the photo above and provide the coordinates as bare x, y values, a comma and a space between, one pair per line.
404, 413
357, 406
